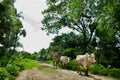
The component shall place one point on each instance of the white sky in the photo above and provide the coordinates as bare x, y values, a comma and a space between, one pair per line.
35, 39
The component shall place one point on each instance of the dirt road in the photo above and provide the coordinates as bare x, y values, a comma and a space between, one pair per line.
56, 74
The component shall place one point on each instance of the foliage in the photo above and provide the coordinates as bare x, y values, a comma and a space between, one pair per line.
101, 70
12, 69
76, 15
70, 44
4, 61
70, 52
3, 73
97, 24
107, 33
28, 63
24, 54
97, 69
10, 26
42, 54
108, 57
34, 56
114, 72
72, 65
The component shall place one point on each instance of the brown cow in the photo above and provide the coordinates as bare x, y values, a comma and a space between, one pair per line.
85, 61
56, 59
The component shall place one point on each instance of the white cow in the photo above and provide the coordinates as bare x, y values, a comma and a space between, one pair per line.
85, 61
64, 60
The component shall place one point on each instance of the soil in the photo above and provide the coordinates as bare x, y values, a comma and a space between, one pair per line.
61, 74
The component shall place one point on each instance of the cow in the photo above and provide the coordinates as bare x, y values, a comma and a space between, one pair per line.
85, 61
56, 59
64, 60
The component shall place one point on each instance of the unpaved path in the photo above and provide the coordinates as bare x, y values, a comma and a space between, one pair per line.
59, 74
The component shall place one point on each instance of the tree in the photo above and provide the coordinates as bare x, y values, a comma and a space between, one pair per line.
78, 15
96, 21
10, 26
108, 32
70, 43
108, 29
42, 54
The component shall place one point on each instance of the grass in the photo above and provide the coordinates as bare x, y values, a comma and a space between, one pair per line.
49, 62
28, 63
47, 69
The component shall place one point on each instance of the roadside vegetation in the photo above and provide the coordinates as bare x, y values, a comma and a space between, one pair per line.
97, 69
12, 67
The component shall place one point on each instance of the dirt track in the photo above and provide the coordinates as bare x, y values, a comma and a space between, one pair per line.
59, 74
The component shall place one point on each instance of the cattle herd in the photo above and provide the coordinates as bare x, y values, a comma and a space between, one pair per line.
82, 60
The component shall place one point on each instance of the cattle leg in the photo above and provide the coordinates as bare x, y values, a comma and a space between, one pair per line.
54, 64
86, 72
63, 65
78, 69
57, 64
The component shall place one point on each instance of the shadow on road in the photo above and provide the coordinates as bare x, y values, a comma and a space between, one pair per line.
90, 76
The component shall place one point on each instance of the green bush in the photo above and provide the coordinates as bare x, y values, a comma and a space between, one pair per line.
72, 65
3, 73
19, 63
98, 69
4, 61
114, 73
101, 70
12, 69
28, 63
25, 63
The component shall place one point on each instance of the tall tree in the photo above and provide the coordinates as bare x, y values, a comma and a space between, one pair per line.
108, 29
10, 26
108, 32
79, 15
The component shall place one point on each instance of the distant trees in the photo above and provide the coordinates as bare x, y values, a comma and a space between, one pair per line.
42, 54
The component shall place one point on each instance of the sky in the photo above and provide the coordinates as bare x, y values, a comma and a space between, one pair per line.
36, 39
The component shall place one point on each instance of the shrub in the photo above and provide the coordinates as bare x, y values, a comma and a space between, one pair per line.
12, 69
19, 63
72, 65
101, 70
98, 69
114, 73
3, 73
28, 63
4, 61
